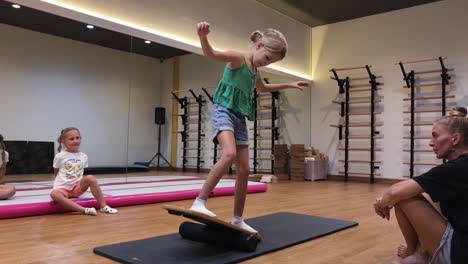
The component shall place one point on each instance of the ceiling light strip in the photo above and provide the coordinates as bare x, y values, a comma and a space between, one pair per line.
155, 32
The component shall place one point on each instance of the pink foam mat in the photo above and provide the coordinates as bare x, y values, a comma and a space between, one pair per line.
42, 206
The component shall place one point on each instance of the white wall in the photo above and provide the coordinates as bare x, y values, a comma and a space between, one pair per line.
48, 83
145, 95
421, 32
172, 22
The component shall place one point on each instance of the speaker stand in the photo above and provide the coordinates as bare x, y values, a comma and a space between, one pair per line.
158, 154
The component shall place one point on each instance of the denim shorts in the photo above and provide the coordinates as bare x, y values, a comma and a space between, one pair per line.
223, 119
442, 254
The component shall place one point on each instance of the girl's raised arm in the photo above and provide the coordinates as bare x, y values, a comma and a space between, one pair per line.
203, 29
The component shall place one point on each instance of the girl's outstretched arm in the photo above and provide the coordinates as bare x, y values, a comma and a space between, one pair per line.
265, 87
236, 58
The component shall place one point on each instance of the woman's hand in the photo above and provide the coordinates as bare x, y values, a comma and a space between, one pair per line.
382, 211
203, 29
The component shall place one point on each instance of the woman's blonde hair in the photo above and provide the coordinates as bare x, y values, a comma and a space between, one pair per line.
2, 147
272, 40
457, 122
62, 135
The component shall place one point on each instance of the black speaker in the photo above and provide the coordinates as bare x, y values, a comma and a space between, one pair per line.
159, 115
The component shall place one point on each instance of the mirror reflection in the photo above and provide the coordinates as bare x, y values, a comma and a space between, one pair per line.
141, 109
58, 73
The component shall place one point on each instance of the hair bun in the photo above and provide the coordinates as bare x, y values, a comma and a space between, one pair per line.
256, 36
459, 111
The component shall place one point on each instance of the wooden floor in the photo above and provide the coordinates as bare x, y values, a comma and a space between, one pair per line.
70, 238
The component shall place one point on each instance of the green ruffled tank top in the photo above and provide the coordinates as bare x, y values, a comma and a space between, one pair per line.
235, 91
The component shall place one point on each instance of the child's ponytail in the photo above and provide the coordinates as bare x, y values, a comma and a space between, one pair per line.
256, 36
59, 140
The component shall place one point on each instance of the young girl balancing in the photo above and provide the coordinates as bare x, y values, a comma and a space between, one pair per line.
6, 191
232, 103
69, 182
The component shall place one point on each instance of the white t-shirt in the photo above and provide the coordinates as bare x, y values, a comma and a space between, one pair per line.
6, 157
71, 167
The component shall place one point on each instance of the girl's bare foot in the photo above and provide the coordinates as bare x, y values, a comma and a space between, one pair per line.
415, 259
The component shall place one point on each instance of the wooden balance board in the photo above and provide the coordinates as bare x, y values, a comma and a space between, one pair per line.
207, 220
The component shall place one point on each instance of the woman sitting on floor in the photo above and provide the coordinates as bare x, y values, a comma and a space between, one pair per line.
435, 234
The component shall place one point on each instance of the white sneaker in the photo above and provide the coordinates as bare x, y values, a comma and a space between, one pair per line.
90, 211
244, 226
202, 209
108, 210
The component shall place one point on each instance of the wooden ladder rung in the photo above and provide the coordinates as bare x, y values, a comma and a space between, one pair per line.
424, 111
432, 71
419, 61
361, 149
423, 163
420, 124
419, 150
364, 113
355, 90
417, 137
350, 68
428, 97
359, 173
428, 85
264, 98
365, 137
357, 86
357, 101
358, 125
361, 161
358, 78
364, 101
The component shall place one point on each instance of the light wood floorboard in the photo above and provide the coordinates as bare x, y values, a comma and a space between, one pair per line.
70, 238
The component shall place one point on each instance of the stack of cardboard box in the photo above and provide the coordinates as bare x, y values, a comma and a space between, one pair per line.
297, 155
281, 162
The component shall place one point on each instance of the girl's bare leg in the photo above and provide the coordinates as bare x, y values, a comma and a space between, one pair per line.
242, 172
89, 181
228, 143
66, 203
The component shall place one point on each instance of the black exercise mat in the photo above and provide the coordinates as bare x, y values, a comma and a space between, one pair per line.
280, 230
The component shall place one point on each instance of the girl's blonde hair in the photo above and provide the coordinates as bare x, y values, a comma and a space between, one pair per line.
457, 122
272, 40
62, 135
2, 147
